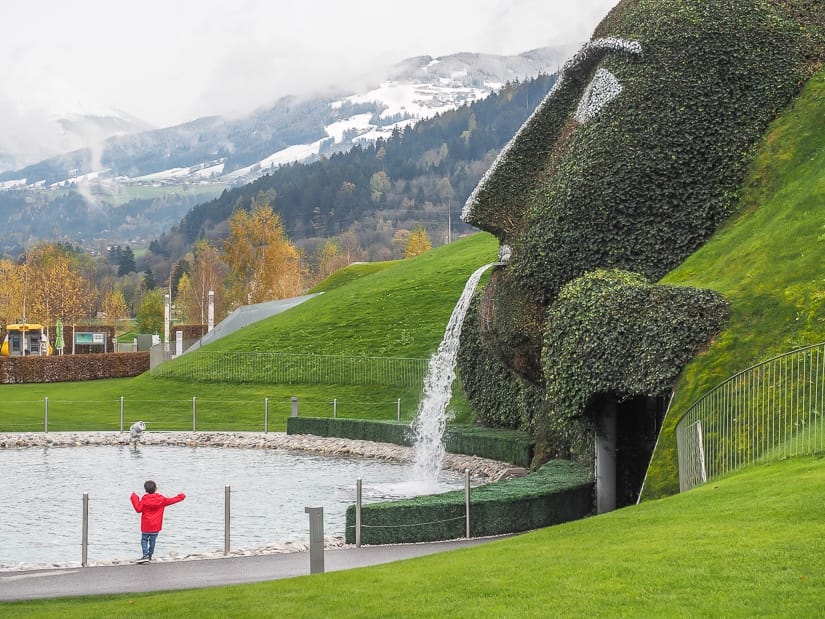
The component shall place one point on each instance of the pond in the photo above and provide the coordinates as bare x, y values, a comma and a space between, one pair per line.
42, 516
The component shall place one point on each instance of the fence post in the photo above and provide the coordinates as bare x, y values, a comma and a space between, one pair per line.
266, 415
334, 408
84, 561
316, 539
45, 414
467, 503
226, 517
358, 513
398, 410
294, 406
121, 413
194, 414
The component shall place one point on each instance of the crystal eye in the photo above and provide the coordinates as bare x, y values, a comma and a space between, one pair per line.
602, 89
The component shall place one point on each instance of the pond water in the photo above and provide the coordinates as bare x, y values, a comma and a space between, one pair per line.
42, 515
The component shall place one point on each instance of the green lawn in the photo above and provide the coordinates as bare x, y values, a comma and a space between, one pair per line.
749, 545
166, 405
767, 261
393, 309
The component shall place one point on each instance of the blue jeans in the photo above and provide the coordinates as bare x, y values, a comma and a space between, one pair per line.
147, 544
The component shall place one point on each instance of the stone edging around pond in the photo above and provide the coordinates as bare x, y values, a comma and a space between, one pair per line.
481, 469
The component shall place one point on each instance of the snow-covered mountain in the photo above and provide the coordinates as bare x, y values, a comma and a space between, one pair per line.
218, 150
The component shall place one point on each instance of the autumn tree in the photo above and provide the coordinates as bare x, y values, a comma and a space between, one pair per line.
379, 185
11, 292
56, 286
206, 273
263, 263
329, 259
115, 308
417, 244
150, 312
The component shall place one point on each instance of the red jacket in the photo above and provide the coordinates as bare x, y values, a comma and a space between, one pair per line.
151, 507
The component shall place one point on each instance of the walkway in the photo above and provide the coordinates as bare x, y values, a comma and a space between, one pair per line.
170, 575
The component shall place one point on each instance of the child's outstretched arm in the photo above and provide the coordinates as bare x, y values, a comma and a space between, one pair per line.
175, 499
136, 502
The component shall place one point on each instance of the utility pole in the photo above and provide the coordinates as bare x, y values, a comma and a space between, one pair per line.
449, 222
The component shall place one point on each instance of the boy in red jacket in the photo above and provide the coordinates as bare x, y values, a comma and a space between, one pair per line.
151, 507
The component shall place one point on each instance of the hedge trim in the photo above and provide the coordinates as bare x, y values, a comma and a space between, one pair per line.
505, 446
558, 492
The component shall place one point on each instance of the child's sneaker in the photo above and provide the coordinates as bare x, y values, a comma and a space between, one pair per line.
143, 559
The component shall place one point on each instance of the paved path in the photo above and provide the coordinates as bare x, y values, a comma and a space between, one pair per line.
50, 583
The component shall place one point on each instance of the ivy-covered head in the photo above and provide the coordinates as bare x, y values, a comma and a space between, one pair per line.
636, 156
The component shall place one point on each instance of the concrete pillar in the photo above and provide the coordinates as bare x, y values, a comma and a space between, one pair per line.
167, 317
316, 539
606, 457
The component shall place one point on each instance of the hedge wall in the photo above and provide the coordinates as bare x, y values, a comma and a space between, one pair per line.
500, 398
597, 318
629, 165
63, 368
393, 432
559, 491
502, 445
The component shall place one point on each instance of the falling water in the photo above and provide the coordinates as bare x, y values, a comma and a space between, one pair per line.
431, 419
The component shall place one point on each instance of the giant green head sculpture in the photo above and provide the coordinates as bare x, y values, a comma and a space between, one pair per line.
626, 168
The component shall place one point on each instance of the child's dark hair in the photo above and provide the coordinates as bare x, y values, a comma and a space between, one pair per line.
150, 486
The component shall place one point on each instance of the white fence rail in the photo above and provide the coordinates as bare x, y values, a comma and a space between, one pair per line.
770, 411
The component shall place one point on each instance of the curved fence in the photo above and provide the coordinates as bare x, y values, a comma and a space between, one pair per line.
770, 411
287, 368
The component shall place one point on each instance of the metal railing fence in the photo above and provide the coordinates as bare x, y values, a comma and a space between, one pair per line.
195, 413
222, 530
770, 411
289, 368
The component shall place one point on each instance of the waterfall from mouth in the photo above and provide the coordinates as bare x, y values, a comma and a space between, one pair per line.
431, 418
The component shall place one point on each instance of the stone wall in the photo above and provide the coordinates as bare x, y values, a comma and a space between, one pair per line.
480, 468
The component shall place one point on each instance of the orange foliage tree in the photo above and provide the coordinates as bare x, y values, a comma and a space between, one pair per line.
263, 263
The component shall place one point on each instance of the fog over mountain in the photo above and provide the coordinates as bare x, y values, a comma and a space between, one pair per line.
132, 183
121, 151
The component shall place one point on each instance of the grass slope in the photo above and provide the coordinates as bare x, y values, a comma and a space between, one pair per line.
767, 261
394, 309
748, 545
398, 311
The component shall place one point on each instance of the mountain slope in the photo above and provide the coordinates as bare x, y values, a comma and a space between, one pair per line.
211, 154
420, 176
240, 148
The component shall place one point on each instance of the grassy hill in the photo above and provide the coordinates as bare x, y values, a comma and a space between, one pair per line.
396, 309
388, 309
768, 261
747, 545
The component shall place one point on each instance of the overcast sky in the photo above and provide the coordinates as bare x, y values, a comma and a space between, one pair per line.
169, 61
